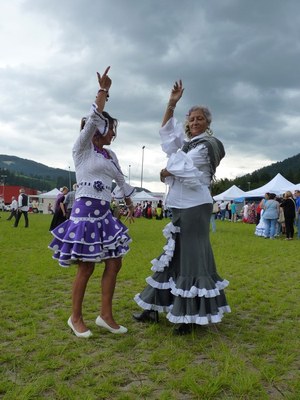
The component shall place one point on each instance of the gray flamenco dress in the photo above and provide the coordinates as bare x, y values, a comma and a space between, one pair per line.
185, 283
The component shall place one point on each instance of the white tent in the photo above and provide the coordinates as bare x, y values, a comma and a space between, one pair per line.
230, 194
277, 185
46, 198
52, 194
143, 196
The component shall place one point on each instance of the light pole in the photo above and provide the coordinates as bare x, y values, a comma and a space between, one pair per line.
143, 148
249, 184
129, 166
70, 179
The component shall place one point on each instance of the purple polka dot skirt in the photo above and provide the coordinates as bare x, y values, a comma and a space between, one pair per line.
92, 234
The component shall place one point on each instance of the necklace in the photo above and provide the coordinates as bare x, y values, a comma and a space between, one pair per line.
102, 151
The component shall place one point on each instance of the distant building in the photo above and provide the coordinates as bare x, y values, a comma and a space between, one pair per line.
6, 192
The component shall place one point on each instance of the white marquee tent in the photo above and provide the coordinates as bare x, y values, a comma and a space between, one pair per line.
230, 194
46, 198
277, 185
143, 196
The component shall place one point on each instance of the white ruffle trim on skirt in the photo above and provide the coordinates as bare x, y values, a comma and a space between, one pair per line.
193, 292
196, 319
159, 264
146, 306
197, 292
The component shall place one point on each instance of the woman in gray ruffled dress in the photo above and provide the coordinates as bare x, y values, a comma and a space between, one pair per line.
185, 283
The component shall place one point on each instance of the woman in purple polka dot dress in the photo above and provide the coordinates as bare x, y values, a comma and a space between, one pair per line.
92, 234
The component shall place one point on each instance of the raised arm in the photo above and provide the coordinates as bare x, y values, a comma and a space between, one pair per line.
103, 93
175, 96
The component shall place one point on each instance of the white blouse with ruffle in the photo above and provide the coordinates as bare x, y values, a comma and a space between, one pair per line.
94, 172
189, 187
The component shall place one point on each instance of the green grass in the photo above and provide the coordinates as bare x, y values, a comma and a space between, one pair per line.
252, 354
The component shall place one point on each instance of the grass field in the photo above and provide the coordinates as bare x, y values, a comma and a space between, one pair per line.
252, 354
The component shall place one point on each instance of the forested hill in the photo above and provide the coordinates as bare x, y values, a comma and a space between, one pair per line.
289, 168
20, 171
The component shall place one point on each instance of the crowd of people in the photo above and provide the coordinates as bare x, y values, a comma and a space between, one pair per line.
279, 216
273, 215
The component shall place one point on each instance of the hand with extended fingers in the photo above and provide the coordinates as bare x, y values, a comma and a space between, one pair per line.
176, 92
104, 80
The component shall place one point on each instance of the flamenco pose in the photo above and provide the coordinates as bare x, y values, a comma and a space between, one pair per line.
185, 283
92, 234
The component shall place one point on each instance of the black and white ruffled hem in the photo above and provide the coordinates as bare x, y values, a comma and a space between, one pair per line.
199, 320
146, 306
162, 262
193, 292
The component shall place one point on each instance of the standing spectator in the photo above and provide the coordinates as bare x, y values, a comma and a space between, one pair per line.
233, 211
13, 208
213, 216
260, 227
222, 207
289, 211
271, 215
297, 197
50, 209
245, 210
185, 283
69, 201
228, 209
252, 213
159, 210
22, 208
59, 215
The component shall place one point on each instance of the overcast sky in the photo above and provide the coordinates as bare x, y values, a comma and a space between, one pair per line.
240, 58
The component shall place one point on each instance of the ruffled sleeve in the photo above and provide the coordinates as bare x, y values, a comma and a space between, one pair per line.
172, 136
122, 189
182, 167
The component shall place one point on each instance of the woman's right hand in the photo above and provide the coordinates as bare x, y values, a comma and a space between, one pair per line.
176, 92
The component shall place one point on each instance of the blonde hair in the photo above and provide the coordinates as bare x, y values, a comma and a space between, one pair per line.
288, 194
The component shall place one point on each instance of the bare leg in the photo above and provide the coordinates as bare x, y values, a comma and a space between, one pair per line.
108, 283
84, 271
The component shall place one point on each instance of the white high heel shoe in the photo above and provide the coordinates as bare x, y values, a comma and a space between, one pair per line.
100, 322
85, 334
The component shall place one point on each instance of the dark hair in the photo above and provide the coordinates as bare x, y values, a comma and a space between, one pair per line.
113, 122
272, 196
